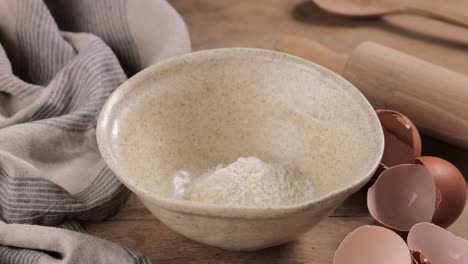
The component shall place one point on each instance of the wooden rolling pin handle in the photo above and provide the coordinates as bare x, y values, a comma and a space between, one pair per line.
312, 51
435, 98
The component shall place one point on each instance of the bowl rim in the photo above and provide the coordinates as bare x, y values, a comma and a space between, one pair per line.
214, 210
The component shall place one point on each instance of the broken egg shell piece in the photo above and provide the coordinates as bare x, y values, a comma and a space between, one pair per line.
438, 245
438, 202
402, 196
370, 245
419, 258
452, 186
380, 169
402, 139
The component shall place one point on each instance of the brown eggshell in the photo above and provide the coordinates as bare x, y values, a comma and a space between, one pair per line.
403, 196
438, 201
438, 245
419, 258
402, 139
371, 245
380, 169
452, 187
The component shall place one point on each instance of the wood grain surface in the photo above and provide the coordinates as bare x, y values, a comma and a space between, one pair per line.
226, 23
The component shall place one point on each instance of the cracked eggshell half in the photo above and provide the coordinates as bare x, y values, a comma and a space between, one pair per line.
403, 196
380, 169
452, 190
402, 139
370, 245
419, 258
438, 245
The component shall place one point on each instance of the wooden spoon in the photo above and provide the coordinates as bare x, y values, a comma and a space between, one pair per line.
374, 8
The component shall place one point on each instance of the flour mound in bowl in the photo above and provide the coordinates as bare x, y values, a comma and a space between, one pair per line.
251, 182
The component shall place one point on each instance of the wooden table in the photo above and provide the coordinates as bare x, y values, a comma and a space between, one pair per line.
227, 23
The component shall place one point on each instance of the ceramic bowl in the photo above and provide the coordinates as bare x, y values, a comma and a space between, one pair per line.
196, 111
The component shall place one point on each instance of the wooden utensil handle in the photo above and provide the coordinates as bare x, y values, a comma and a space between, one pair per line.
312, 51
435, 98
439, 12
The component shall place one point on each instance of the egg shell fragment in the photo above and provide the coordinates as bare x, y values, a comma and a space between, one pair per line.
402, 196
402, 139
370, 245
419, 258
380, 169
452, 186
438, 245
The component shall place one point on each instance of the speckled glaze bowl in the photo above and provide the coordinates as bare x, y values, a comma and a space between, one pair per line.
198, 110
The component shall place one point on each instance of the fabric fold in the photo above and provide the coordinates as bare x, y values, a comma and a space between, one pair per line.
65, 245
59, 62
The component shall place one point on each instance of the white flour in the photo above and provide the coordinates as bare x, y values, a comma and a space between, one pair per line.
247, 182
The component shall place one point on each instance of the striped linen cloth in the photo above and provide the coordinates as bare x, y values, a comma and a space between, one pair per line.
59, 62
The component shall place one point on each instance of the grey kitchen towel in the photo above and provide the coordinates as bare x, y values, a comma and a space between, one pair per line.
67, 244
59, 62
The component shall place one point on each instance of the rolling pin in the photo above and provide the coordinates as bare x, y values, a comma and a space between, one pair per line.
434, 98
